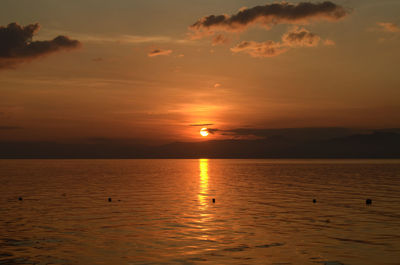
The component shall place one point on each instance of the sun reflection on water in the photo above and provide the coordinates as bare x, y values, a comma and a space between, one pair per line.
203, 186
205, 215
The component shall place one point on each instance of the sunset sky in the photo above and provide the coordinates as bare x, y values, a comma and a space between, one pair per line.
159, 71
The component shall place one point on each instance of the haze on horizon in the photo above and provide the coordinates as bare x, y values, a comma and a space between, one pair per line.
160, 70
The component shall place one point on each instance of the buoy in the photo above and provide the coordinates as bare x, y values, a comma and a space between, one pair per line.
109, 200
368, 201
314, 201
20, 198
213, 200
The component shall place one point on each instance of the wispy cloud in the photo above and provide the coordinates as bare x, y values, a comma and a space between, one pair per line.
329, 42
389, 27
121, 38
201, 124
132, 39
300, 37
212, 130
159, 52
220, 39
294, 38
308, 133
259, 49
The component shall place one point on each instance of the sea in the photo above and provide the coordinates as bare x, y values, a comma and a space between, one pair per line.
200, 211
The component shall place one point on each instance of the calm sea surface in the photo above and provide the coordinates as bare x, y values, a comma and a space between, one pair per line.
162, 212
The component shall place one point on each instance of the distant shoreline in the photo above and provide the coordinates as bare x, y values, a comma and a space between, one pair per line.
376, 145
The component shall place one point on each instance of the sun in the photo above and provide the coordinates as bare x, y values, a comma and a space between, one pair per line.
204, 132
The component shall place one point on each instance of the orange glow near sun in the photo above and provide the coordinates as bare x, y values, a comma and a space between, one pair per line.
204, 132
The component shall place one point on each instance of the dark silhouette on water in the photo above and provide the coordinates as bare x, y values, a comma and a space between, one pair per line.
109, 200
20, 198
213, 200
314, 201
368, 201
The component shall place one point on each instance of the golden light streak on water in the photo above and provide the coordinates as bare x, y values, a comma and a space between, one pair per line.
203, 184
205, 215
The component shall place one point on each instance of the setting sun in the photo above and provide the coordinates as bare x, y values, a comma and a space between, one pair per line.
204, 132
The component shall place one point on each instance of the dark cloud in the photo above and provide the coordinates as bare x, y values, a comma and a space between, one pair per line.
290, 133
158, 52
17, 46
209, 130
269, 14
212, 130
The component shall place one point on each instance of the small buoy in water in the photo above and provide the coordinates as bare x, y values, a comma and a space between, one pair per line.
314, 201
109, 200
213, 200
368, 201
20, 198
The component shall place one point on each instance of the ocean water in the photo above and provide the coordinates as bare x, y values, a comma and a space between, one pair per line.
162, 212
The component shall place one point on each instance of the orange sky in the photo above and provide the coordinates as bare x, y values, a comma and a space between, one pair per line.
140, 71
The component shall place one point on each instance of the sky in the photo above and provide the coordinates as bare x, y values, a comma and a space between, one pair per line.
158, 71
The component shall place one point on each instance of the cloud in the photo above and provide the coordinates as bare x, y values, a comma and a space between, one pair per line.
121, 38
300, 37
159, 52
329, 42
201, 124
220, 39
306, 133
17, 46
209, 130
310, 133
212, 130
389, 27
268, 15
259, 49
294, 38
217, 85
